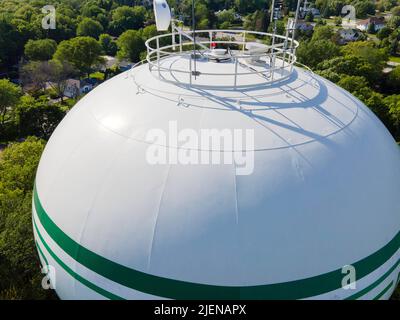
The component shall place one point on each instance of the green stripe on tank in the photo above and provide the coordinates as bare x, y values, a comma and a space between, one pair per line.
176, 289
82, 280
384, 291
374, 284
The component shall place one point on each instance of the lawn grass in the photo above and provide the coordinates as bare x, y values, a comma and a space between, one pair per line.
394, 59
98, 76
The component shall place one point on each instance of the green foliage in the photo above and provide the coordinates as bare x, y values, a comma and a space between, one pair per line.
125, 18
394, 22
11, 45
226, 18
257, 21
367, 51
395, 11
389, 4
280, 27
393, 80
355, 84
383, 33
338, 21
130, 45
81, 52
18, 164
371, 28
363, 8
40, 50
323, 33
9, 97
245, 6
37, 117
149, 32
352, 65
20, 276
393, 104
311, 53
108, 44
89, 28
309, 17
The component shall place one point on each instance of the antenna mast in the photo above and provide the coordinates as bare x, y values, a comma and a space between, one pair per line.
194, 38
296, 17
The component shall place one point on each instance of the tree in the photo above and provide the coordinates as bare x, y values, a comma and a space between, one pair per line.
90, 28
338, 21
66, 27
353, 66
244, 6
389, 4
357, 85
130, 45
59, 73
393, 103
227, 17
108, 44
10, 42
35, 75
82, 52
394, 22
364, 8
18, 163
37, 117
367, 51
323, 33
257, 21
371, 28
395, 11
19, 265
40, 50
383, 33
125, 18
311, 53
149, 32
309, 17
353, 84
393, 81
9, 97
375, 102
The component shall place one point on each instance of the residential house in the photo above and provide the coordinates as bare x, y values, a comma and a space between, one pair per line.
305, 9
378, 22
74, 88
348, 35
304, 26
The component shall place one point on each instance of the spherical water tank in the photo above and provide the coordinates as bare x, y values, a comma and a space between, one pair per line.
319, 203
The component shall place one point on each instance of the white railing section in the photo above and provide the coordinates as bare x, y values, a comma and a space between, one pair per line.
277, 48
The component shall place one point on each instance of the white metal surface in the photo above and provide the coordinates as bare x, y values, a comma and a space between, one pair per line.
162, 14
324, 191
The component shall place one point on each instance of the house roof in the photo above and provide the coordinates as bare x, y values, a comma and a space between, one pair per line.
73, 82
374, 20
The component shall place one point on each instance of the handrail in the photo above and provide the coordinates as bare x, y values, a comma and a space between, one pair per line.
283, 51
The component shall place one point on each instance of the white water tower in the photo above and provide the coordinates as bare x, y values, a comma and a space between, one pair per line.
320, 203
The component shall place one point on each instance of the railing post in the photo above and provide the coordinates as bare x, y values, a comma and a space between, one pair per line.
244, 41
210, 35
158, 56
173, 35
180, 43
236, 67
190, 69
148, 58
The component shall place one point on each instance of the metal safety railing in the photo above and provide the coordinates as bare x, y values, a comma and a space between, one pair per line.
277, 52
